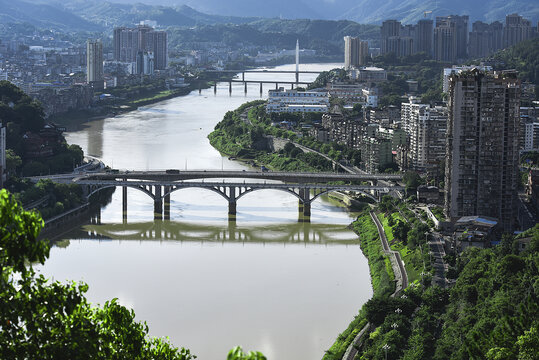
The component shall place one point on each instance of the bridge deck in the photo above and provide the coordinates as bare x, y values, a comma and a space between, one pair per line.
263, 71
209, 174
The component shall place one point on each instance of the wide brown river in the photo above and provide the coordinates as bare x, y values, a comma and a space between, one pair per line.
266, 282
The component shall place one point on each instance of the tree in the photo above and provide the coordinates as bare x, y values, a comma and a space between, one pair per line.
13, 161
400, 231
238, 354
42, 320
411, 179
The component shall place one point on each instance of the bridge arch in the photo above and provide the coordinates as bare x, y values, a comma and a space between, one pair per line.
217, 191
99, 188
287, 190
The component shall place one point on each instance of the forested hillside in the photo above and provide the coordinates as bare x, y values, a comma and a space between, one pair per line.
523, 57
492, 311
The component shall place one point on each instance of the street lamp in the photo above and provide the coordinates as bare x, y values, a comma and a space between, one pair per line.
386, 347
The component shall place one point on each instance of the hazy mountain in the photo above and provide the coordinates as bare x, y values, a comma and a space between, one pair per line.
43, 15
363, 11
115, 14
99, 15
409, 11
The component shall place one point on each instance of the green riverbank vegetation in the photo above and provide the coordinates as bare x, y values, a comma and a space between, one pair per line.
244, 133
492, 311
240, 134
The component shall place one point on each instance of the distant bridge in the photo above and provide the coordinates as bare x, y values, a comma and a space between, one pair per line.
297, 81
158, 185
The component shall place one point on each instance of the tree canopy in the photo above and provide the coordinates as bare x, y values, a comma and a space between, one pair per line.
50, 320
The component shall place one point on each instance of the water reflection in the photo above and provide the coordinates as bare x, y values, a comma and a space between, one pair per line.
305, 233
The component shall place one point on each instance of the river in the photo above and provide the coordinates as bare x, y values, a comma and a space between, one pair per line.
266, 282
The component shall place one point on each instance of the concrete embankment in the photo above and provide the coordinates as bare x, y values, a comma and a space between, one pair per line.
58, 224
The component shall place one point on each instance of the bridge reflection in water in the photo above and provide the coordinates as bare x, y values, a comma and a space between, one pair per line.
164, 230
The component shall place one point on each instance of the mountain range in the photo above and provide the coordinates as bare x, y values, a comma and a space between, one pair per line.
363, 11
100, 15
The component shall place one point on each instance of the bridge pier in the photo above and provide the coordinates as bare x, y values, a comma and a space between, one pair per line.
245, 87
124, 204
232, 204
215, 87
276, 86
158, 204
307, 211
230, 87
304, 206
243, 76
167, 203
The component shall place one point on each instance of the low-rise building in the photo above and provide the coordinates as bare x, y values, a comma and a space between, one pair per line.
341, 129
369, 74
397, 137
351, 93
376, 153
478, 231
428, 194
297, 101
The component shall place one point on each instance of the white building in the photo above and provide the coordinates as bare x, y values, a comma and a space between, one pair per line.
371, 97
426, 129
94, 62
368, 74
297, 101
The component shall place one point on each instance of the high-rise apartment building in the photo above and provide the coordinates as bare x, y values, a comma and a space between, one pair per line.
156, 42
94, 63
445, 41
356, 52
481, 173
390, 29
424, 33
485, 39
516, 29
426, 129
451, 37
128, 42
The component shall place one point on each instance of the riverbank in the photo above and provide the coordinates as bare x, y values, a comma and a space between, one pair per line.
121, 106
235, 135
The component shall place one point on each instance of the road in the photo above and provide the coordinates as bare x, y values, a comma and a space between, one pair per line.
437, 253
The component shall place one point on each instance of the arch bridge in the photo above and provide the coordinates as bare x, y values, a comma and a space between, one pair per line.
159, 185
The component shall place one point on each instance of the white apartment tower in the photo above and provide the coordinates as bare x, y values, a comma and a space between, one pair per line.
355, 52
94, 63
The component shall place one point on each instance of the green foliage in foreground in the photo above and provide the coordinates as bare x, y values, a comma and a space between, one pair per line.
238, 354
40, 319
49, 320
